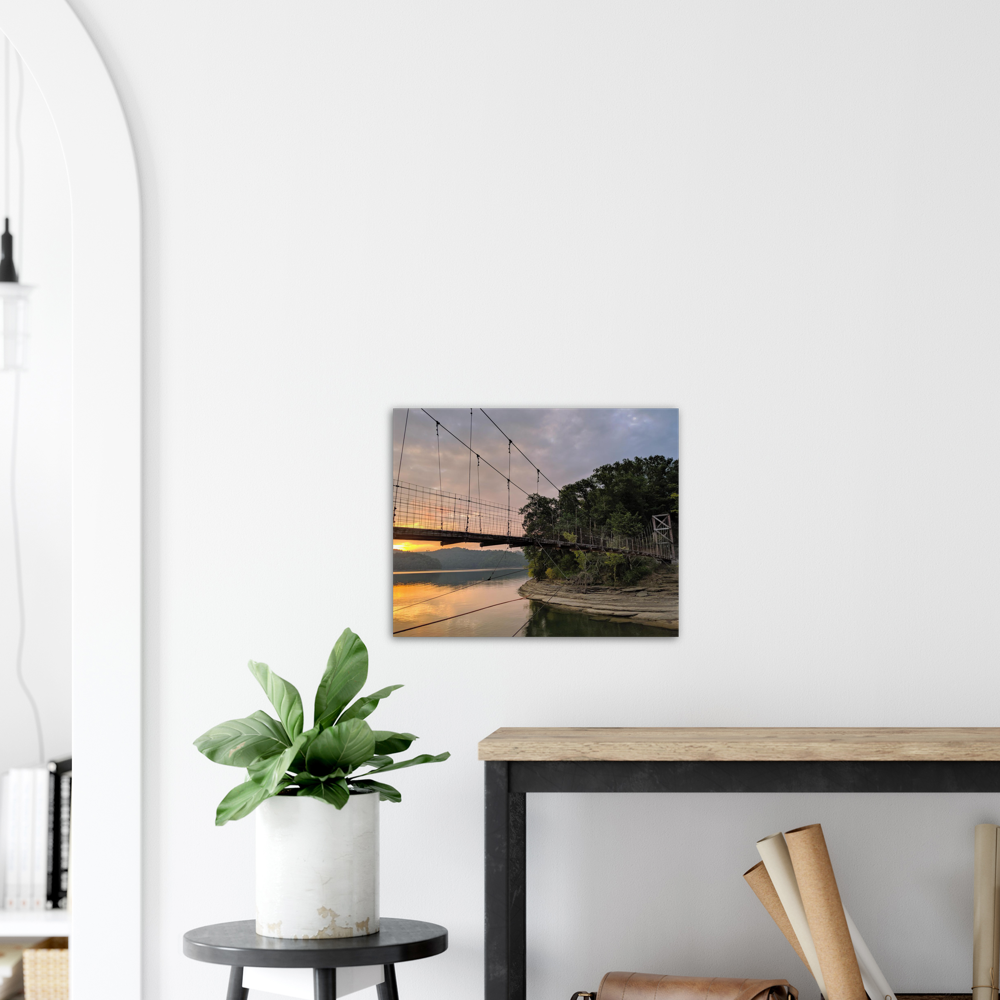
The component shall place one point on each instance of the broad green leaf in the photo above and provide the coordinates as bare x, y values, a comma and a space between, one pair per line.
286, 759
378, 759
240, 742
346, 673
271, 772
346, 745
424, 758
299, 760
386, 793
242, 800
321, 754
386, 742
261, 770
304, 779
283, 696
364, 707
334, 792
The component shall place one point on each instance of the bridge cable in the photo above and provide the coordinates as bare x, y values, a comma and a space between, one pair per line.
399, 470
462, 614
557, 568
523, 624
459, 587
440, 484
468, 502
525, 457
528, 620
500, 556
508, 487
438, 433
471, 583
464, 445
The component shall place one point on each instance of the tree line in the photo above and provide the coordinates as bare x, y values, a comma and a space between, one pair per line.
620, 499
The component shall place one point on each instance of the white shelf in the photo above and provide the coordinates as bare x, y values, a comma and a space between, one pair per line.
42, 924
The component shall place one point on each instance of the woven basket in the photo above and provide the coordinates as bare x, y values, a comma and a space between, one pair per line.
46, 970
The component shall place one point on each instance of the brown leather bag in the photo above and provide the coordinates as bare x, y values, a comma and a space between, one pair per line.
649, 986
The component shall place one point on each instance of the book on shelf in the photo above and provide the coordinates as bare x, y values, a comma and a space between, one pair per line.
8, 860
35, 815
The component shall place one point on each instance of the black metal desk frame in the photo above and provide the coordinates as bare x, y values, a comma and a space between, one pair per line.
508, 782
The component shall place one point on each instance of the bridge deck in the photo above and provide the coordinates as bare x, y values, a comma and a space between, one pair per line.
415, 507
446, 537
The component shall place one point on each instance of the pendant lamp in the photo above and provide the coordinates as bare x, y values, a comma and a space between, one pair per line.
15, 306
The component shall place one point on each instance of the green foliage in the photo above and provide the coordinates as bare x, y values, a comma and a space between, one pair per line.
282, 695
622, 497
392, 742
635, 570
624, 522
346, 673
638, 486
322, 762
240, 802
364, 707
614, 560
240, 742
608, 569
619, 499
388, 793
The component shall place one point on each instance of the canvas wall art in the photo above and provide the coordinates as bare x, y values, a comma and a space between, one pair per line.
530, 523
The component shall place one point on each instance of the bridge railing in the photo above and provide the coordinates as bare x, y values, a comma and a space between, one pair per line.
649, 543
424, 507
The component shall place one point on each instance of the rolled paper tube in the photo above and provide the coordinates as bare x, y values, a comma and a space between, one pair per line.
825, 913
758, 880
774, 853
876, 985
985, 919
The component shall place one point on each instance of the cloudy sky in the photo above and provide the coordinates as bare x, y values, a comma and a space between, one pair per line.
564, 444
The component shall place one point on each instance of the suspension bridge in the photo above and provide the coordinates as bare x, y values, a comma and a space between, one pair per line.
425, 514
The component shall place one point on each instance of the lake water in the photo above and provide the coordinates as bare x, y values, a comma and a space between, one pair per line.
472, 602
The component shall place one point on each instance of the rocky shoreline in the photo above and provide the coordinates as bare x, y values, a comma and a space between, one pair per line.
656, 607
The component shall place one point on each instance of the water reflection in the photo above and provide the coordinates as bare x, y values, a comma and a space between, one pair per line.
463, 602
544, 621
485, 602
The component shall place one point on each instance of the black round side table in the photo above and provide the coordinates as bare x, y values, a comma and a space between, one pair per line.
237, 944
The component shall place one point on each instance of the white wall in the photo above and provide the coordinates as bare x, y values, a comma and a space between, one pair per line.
781, 218
43, 466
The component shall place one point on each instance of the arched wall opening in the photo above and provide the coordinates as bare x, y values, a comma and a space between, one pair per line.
105, 580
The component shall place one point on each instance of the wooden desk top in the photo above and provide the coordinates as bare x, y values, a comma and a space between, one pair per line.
742, 744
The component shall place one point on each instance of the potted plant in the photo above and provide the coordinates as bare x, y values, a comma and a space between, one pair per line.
317, 812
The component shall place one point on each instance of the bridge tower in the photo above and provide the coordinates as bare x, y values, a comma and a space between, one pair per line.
663, 534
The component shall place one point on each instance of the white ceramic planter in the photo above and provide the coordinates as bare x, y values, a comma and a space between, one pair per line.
317, 867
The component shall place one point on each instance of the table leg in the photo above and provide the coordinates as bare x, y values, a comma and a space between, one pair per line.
505, 886
325, 984
236, 991
387, 988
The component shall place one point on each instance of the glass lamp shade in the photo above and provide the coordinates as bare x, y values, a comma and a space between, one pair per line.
15, 324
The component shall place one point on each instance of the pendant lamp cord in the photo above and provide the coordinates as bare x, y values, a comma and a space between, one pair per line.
6, 126
19, 249
22, 617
